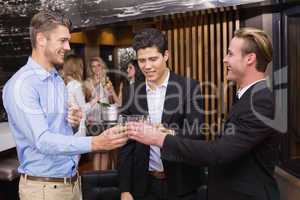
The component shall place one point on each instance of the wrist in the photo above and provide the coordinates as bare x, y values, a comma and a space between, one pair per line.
123, 193
160, 140
96, 144
94, 101
93, 144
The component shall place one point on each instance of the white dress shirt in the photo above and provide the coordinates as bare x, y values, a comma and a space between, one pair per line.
155, 100
241, 91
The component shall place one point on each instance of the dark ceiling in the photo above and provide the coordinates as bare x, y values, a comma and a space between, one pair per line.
15, 16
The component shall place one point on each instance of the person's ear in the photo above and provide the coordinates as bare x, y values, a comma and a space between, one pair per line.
251, 58
41, 39
166, 55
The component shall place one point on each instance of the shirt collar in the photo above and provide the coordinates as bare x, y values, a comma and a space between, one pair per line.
242, 91
164, 83
40, 71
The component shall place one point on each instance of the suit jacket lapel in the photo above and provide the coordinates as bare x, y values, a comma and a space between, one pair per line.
171, 103
142, 98
246, 97
233, 108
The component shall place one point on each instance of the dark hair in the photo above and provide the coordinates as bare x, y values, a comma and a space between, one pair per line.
150, 37
138, 73
45, 21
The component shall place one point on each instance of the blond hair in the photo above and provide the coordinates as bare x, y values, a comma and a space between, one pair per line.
73, 67
91, 74
256, 41
88, 88
45, 21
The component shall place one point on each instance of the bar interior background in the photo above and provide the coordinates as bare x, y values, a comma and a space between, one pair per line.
198, 34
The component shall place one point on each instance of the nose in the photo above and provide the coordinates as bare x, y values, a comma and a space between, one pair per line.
225, 59
67, 46
147, 65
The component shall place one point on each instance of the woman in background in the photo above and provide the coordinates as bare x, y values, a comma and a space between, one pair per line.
100, 85
133, 74
73, 73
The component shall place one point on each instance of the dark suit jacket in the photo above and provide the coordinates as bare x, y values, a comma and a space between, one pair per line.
242, 160
182, 108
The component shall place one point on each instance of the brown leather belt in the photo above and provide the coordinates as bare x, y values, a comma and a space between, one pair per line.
158, 175
51, 179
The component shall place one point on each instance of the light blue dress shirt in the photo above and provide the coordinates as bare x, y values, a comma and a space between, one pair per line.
36, 103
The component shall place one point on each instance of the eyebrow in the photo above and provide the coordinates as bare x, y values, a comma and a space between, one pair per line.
65, 38
150, 57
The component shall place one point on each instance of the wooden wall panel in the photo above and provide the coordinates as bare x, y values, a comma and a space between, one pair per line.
194, 41
197, 43
212, 70
225, 44
181, 44
176, 46
205, 81
187, 45
219, 62
200, 48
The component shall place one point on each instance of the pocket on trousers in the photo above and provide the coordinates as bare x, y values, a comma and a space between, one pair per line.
58, 191
30, 191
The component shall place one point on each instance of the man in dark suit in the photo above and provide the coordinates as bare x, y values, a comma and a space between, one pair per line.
143, 174
241, 162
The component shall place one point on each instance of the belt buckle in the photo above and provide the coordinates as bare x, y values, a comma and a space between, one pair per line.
70, 179
158, 175
67, 180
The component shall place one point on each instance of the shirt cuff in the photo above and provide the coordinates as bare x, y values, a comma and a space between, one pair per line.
85, 144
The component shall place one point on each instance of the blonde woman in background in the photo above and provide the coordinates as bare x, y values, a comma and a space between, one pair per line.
99, 84
73, 73
97, 76
102, 87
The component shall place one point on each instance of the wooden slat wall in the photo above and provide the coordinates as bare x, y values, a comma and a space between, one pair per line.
197, 43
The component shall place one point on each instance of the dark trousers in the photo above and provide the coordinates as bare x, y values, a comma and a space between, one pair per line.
157, 190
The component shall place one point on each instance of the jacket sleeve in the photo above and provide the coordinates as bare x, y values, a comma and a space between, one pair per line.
241, 136
194, 112
125, 155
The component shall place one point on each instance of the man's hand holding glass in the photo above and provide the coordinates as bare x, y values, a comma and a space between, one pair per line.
146, 133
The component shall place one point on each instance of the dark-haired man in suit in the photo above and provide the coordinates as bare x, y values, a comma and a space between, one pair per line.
167, 99
241, 162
